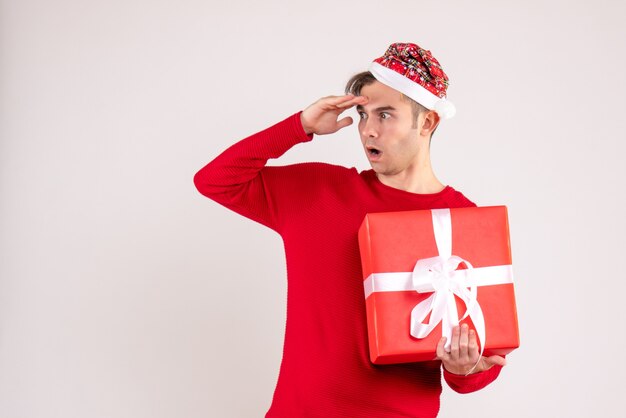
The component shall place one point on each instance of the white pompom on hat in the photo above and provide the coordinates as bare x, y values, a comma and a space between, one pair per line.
414, 72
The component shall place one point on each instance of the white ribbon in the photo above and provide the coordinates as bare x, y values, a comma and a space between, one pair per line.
440, 276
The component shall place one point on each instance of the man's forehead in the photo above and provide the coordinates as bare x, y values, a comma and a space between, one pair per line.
380, 95
383, 103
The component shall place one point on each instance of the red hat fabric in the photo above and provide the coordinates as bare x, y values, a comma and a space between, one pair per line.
414, 71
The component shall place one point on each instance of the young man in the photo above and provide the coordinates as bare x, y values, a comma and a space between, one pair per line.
317, 209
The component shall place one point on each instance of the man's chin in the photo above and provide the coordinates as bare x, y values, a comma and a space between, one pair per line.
378, 167
384, 171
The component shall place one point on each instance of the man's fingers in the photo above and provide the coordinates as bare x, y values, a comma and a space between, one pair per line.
473, 346
495, 360
454, 345
335, 100
464, 341
345, 101
342, 123
473, 341
352, 102
441, 352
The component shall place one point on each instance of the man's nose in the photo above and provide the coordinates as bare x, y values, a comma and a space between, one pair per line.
369, 128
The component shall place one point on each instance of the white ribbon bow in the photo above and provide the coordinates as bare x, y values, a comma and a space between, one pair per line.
440, 276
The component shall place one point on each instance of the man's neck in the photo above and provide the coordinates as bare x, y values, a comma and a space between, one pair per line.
418, 179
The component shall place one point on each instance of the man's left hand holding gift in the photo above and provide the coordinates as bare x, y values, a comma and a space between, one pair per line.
464, 353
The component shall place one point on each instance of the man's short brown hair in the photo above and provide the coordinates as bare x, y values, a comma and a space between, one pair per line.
358, 81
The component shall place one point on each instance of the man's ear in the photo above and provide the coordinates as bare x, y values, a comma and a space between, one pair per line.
430, 121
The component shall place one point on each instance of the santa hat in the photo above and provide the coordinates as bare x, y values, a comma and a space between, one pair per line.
414, 72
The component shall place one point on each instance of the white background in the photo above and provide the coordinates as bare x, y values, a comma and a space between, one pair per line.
125, 293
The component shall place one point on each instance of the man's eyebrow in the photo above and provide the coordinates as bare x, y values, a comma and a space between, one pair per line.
378, 109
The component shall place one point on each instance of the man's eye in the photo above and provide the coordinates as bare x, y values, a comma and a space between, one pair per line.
362, 115
385, 115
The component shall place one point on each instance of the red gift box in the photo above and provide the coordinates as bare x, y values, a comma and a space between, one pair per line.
425, 271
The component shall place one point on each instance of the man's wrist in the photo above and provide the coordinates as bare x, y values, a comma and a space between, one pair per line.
306, 129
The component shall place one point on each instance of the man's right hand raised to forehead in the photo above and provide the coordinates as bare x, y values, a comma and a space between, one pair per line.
320, 118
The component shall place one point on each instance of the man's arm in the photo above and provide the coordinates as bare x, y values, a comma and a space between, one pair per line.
238, 177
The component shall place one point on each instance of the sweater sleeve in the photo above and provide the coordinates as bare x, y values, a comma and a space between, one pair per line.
238, 178
472, 382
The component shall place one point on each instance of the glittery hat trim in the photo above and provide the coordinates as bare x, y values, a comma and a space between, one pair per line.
413, 90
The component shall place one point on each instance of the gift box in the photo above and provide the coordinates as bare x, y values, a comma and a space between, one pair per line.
426, 271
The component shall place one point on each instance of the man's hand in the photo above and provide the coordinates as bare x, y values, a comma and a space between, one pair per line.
320, 118
463, 353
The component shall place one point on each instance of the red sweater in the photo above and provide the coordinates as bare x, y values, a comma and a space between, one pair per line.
317, 209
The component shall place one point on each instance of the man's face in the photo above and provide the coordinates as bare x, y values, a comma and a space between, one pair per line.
387, 131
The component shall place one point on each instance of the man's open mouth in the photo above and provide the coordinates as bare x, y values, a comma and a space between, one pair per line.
374, 152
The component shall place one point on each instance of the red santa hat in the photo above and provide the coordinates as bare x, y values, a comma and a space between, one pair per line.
413, 71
